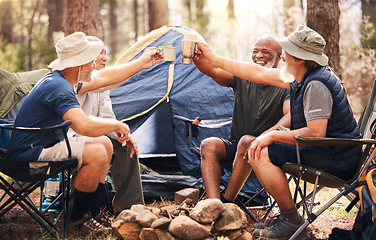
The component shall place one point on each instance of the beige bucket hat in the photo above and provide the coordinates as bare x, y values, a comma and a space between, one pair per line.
304, 43
75, 50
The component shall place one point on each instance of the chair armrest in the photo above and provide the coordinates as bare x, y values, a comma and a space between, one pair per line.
321, 142
49, 136
9, 125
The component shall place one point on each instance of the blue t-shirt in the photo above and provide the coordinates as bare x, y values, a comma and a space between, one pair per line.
44, 106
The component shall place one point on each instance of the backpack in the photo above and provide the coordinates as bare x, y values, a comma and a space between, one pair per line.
108, 194
365, 222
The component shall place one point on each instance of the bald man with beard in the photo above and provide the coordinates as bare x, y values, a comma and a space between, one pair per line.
258, 108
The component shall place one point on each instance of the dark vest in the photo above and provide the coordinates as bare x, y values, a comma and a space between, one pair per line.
342, 123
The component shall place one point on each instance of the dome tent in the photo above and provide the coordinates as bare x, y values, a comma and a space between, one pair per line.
148, 101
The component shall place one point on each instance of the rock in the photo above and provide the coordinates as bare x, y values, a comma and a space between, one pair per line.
148, 234
232, 218
245, 236
138, 207
154, 234
167, 210
207, 210
186, 228
234, 234
127, 216
161, 223
155, 210
145, 218
126, 230
239, 234
183, 194
169, 207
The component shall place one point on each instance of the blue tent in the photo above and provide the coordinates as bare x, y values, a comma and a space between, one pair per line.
148, 101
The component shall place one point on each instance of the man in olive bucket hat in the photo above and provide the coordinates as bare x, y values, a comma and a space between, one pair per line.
319, 108
53, 101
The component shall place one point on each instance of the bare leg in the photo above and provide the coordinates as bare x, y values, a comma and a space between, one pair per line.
241, 169
273, 179
96, 157
212, 151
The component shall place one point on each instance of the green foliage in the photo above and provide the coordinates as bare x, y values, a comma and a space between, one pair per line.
43, 54
368, 34
14, 57
8, 56
358, 68
338, 211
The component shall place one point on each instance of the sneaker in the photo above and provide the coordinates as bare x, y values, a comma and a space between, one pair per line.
88, 225
271, 222
105, 218
280, 229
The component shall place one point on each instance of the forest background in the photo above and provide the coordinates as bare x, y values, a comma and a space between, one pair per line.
29, 29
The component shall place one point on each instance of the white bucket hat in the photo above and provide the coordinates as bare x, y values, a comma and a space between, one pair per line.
75, 50
304, 43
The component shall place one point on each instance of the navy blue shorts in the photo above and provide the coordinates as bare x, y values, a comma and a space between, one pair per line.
252, 185
338, 162
231, 147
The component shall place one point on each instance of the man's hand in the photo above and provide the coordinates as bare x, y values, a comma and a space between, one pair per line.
150, 57
205, 51
131, 144
205, 65
259, 143
123, 133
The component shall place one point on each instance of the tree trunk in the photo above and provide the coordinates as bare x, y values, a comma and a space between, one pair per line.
158, 13
200, 8
30, 33
6, 21
135, 16
55, 10
84, 16
369, 9
113, 41
187, 4
323, 17
288, 16
231, 9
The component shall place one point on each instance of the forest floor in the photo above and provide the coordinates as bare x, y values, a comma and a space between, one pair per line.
16, 224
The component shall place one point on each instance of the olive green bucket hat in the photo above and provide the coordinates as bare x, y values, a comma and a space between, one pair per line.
304, 43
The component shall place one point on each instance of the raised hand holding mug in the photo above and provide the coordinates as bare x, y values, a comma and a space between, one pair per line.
188, 49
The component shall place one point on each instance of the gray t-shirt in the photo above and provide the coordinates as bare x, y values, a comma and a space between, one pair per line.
256, 108
317, 101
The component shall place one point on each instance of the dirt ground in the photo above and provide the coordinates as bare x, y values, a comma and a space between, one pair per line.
16, 224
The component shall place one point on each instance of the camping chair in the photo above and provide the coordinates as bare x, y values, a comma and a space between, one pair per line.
322, 179
26, 179
191, 133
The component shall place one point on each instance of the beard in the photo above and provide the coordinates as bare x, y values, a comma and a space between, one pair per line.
286, 74
271, 63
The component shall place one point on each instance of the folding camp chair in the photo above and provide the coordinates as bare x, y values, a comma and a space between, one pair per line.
25, 179
322, 179
192, 132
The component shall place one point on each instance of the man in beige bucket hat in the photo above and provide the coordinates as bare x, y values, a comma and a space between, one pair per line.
53, 101
319, 108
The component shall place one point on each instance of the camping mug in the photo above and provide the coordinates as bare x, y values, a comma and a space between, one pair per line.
169, 53
188, 48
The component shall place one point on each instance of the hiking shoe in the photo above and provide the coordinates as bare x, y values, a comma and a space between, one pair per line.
273, 220
105, 218
280, 229
88, 225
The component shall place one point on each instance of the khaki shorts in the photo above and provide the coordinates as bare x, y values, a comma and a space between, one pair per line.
60, 151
